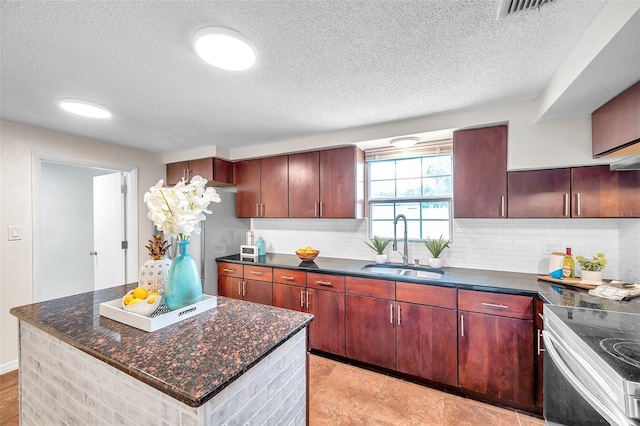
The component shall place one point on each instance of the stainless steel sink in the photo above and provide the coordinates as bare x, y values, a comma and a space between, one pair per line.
407, 271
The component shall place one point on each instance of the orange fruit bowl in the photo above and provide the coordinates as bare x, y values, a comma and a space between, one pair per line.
307, 255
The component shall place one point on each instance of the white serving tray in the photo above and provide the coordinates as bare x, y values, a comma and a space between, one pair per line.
113, 309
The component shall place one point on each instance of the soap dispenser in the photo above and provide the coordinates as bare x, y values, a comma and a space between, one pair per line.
262, 247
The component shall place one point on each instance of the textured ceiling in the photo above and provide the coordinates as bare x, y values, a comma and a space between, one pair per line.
322, 66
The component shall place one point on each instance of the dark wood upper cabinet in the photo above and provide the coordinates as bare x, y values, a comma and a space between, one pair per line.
616, 124
262, 187
480, 172
214, 170
598, 192
304, 184
342, 183
539, 193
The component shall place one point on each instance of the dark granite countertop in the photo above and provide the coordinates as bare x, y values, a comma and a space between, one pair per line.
191, 360
473, 279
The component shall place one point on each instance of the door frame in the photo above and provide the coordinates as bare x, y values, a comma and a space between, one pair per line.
131, 213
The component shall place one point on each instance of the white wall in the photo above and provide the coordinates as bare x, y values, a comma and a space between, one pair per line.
498, 244
19, 142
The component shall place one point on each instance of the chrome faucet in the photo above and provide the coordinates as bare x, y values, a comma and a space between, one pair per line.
405, 255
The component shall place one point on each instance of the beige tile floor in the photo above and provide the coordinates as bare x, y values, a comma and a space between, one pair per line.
341, 394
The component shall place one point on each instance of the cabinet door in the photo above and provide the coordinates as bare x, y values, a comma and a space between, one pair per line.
615, 124
248, 188
539, 193
480, 172
201, 167
274, 186
599, 192
539, 354
342, 183
222, 171
230, 287
176, 171
495, 356
258, 292
370, 330
426, 342
327, 331
304, 184
289, 297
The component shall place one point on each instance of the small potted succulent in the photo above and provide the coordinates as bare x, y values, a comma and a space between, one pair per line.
379, 245
592, 268
435, 247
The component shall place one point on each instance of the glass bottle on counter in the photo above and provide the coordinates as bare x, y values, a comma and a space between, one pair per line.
568, 265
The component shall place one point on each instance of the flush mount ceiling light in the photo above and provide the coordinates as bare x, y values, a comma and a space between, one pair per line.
84, 108
225, 48
404, 142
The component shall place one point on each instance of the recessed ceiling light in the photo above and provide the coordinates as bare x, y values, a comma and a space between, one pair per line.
225, 48
404, 142
84, 108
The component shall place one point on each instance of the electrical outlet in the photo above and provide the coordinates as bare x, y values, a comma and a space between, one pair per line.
549, 247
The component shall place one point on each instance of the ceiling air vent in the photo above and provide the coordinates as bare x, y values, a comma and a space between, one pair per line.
511, 7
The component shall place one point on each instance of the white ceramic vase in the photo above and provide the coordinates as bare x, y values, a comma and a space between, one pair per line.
591, 277
436, 262
381, 258
153, 274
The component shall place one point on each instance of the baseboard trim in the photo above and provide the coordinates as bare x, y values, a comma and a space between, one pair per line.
9, 366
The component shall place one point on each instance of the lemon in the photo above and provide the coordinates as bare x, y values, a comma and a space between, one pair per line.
127, 299
155, 293
140, 293
134, 301
151, 300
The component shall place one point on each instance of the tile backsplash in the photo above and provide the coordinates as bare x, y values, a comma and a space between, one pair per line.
514, 245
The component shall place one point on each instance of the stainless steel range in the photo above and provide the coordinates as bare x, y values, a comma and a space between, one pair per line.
592, 367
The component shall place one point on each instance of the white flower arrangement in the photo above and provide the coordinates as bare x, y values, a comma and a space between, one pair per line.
177, 211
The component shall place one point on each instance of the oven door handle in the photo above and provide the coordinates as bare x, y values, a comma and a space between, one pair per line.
610, 415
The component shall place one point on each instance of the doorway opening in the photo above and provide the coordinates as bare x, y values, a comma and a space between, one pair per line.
85, 227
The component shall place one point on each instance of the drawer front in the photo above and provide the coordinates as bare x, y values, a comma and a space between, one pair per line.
371, 287
290, 277
443, 297
506, 305
230, 269
258, 273
325, 281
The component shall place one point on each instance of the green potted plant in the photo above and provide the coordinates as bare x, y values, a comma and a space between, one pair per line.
379, 245
592, 268
435, 247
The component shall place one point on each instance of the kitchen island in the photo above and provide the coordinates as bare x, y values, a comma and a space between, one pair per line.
240, 362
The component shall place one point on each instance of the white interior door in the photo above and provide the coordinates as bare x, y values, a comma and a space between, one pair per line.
108, 231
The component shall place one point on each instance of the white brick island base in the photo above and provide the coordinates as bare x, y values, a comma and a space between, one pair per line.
60, 384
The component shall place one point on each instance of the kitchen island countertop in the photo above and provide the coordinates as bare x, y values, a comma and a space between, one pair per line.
472, 279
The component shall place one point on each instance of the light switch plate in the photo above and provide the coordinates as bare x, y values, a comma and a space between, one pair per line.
15, 233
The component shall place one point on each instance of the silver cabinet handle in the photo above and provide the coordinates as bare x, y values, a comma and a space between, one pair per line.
302, 298
462, 325
261, 209
185, 174
287, 278
307, 292
321, 212
578, 213
399, 314
257, 209
324, 283
565, 204
494, 305
315, 209
93, 253
244, 288
256, 273
502, 206
391, 313
228, 270
540, 348
239, 288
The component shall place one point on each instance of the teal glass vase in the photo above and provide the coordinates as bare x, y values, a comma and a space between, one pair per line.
183, 282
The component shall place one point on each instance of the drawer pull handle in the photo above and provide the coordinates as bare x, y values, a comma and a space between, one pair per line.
301, 298
461, 325
324, 283
287, 278
228, 270
399, 313
256, 273
391, 314
494, 305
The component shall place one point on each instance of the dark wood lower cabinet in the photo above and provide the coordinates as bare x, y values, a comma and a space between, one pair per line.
258, 291
539, 352
426, 342
230, 287
289, 297
495, 356
327, 330
371, 331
